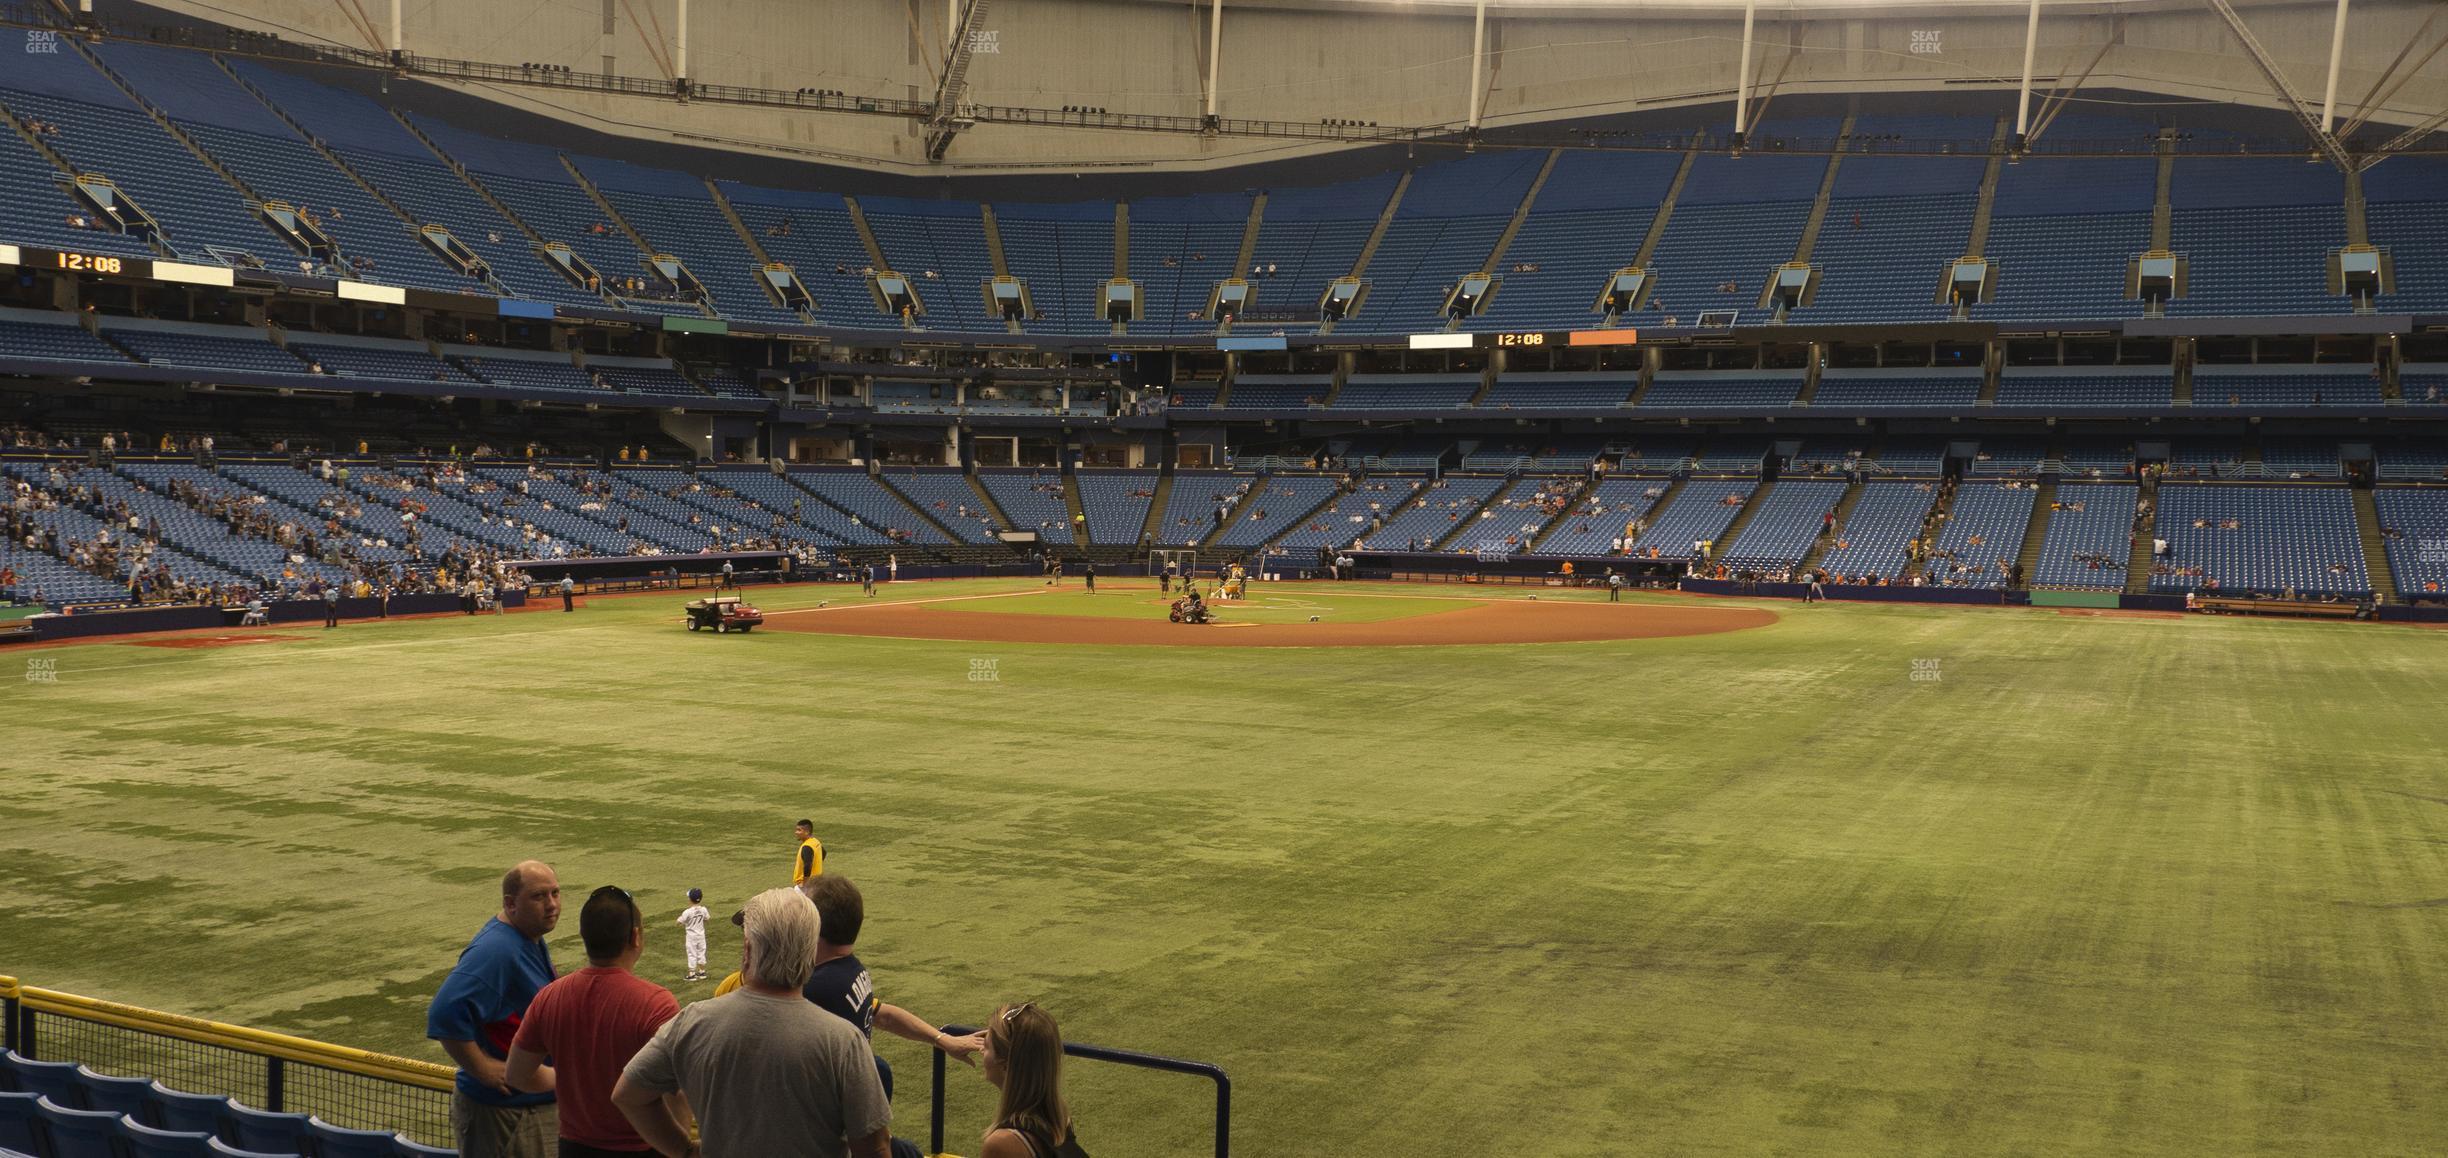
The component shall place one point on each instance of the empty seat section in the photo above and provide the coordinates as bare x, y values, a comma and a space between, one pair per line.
2085, 387
1445, 227
1589, 221
1735, 219
37, 209
101, 131
2414, 527
2266, 539
1351, 517
2292, 386
1066, 254
1180, 247
264, 152
1944, 388
1116, 503
944, 239
2257, 234
1784, 525
1309, 237
378, 148
1742, 390
1280, 499
2090, 537
1893, 224
2405, 211
1566, 391
811, 232
881, 516
946, 497
378, 358
232, 348
1982, 535
1032, 500
41, 336
1406, 391
531, 182
1700, 511
1441, 508
2062, 232
1874, 536
1279, 391
673, 212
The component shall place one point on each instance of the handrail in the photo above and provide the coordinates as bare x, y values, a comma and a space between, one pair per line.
364, 1063
1133, 1058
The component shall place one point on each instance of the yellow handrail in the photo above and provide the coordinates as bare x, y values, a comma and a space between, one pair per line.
263, 1043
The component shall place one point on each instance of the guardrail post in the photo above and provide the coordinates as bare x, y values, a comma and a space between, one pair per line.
276, 1084
1223, 1115
8, 1023
25, 1030
935, 1131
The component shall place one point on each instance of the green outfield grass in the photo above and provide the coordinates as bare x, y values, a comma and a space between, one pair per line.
2087, 885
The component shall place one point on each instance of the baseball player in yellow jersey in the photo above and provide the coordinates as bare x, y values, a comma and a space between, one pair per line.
808, 863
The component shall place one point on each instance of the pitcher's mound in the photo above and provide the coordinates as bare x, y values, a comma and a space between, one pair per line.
1523, 622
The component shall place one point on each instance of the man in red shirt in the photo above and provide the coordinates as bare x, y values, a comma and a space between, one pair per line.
588, 1025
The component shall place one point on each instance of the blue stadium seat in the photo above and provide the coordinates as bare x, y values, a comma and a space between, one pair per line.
17, 1120
131, 1096
71, 1133
183, 1111
407, 1148
54, 1080
221, 1149
141, 1141
332, 1141
269, 1132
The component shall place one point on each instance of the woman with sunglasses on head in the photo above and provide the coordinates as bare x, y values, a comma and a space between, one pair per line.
1024, 1060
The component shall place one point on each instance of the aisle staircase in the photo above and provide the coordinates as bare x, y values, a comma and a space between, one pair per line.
1827, 542
1742, 519
2375, 548
2146, 530
2035, 531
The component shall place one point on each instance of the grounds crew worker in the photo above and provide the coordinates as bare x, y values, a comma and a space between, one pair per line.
808, 863
568, 586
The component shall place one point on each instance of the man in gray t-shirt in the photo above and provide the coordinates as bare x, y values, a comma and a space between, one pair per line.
767, 1074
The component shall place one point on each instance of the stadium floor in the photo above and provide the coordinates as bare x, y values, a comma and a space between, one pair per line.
1867, 879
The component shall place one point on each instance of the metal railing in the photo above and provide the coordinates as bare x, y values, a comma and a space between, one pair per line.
268, 1071
1134, 1059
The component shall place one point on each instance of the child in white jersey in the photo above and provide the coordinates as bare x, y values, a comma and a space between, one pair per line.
692, 924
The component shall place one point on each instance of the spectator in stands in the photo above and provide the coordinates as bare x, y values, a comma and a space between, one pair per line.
767, 1072
589, 1024
478, 1010
1024, 1058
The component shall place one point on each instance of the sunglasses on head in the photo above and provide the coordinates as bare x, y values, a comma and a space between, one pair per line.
1016, 1011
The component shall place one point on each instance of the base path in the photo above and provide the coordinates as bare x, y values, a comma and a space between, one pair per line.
1492, 622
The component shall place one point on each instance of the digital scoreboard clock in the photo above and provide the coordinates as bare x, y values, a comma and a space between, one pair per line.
117, 265
72, 261
102, 263
1524, 339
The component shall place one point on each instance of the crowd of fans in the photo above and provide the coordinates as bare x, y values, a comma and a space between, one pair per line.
777, 1063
